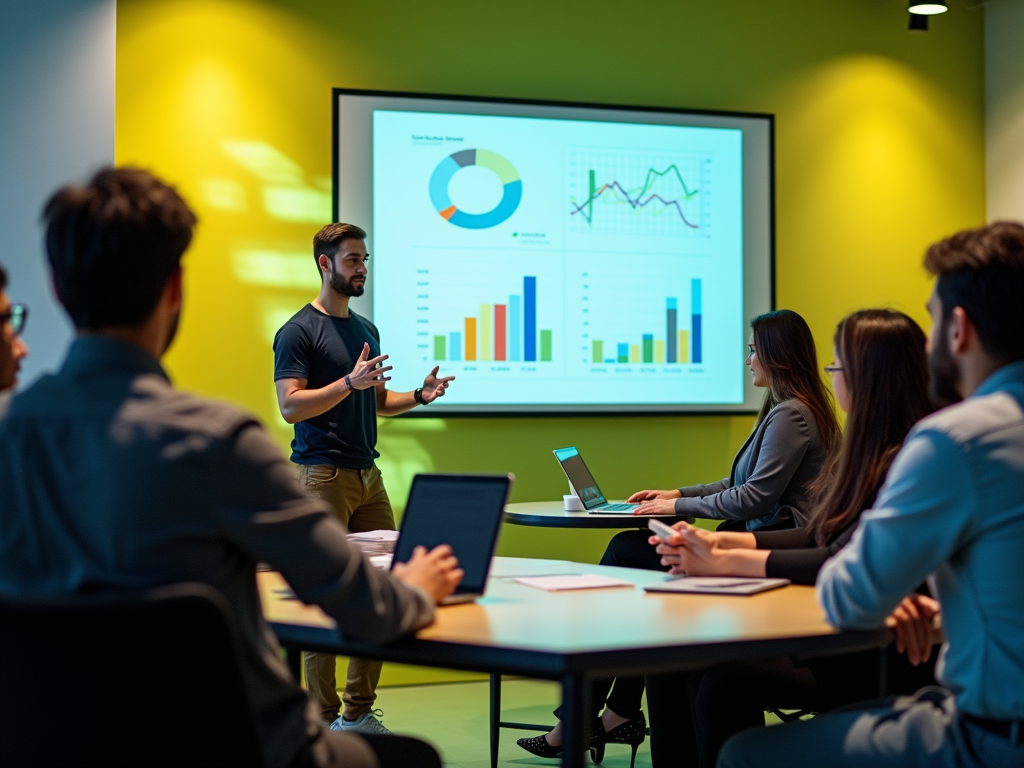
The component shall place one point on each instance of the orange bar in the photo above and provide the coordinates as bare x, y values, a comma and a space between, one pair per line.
448, 212
499, 331
470, 339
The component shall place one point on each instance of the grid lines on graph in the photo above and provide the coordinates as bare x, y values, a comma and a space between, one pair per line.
618, 193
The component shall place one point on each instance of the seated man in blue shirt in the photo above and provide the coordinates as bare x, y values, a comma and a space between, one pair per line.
951, 510
111, 479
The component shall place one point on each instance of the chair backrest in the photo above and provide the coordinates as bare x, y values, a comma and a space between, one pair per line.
123, 680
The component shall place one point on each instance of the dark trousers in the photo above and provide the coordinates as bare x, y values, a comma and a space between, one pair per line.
692, 714
623, 695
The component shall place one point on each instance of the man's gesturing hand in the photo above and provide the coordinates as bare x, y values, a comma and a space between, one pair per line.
434, 387
366, 374
435, 572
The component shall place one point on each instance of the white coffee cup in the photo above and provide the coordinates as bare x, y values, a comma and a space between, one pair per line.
572, 503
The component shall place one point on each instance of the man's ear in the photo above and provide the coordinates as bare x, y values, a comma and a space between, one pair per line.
325, 264
174, 292
960, 330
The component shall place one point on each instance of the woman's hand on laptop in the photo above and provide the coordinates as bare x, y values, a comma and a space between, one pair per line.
660, 507
435, 572
640, 496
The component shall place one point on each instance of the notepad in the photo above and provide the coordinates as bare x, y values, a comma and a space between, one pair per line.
561, 583
716, 585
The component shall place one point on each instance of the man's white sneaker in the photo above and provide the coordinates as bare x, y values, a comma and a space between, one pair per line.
368, 723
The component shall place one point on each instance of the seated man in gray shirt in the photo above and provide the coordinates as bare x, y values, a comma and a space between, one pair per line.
112, 479
951, 510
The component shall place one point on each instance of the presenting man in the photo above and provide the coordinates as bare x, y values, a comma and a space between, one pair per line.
330, 380
12, 348
952, 509
156, 486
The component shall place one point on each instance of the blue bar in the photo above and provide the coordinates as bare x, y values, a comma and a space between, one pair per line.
623, 353
530, 319
515, 330
671, 304
696, 312
610, 360
695, 337
454, 346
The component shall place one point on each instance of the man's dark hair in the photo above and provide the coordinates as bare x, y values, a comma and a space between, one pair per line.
113, 243
3, 279
328, 240
982, 271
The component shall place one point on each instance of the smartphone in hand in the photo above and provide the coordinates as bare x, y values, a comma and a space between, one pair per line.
660, 530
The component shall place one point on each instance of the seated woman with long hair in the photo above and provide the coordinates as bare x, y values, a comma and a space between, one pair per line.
768, 488
880, 378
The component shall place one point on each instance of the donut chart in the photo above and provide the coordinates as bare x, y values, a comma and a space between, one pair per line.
492, 161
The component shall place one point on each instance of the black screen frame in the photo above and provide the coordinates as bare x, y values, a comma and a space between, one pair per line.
462, 588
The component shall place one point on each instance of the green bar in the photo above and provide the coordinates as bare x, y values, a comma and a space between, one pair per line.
590, 199
598, 351
545, 346
648, 350
439, 347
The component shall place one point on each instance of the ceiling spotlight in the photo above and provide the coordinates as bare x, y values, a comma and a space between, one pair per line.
918, 23
926, 9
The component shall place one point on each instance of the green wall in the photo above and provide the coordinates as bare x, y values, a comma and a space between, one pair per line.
879, 152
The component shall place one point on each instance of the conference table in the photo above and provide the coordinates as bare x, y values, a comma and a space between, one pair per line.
574, 637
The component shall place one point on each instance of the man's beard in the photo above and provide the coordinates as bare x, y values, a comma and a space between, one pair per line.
943, 372
344, 287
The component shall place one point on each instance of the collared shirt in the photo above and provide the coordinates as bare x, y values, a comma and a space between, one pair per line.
112, 479
952, 507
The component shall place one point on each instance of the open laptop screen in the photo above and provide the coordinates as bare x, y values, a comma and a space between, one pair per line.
463, 511
580, 477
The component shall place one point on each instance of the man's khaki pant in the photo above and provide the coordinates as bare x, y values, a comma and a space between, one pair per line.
361, 503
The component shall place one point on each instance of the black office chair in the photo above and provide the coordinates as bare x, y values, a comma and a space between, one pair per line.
123, 680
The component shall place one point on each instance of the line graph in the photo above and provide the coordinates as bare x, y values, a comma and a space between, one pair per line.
631, 193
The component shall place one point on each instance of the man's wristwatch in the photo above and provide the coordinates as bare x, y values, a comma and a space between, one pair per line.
417, 395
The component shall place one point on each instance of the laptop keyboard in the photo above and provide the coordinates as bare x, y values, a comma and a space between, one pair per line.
616, 507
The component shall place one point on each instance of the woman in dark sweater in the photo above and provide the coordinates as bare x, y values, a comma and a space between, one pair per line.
795, 435
880, 379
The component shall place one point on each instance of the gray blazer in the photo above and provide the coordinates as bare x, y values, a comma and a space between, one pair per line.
768, 484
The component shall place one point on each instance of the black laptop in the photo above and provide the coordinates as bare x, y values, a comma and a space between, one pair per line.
586, 486
463, 511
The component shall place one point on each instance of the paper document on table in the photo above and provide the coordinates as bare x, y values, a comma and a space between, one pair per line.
581, 581
374, 536
374, 542
382, 561
717, 585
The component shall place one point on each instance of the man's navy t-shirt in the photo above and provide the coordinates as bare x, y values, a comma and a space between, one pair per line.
322, 349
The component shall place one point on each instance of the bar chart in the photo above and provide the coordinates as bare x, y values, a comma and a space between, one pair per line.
676, 345
499, 332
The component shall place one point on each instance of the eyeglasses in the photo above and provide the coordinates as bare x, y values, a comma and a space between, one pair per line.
831, 370
17, 317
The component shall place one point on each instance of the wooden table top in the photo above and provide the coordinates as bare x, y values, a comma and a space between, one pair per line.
608, 625
552, 514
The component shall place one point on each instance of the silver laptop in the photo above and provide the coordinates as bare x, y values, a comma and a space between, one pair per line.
586, 486
463, 511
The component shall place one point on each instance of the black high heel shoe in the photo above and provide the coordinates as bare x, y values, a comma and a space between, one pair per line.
538, 745
632, 732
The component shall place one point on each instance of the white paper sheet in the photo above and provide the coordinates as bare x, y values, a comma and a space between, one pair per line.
560, 583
